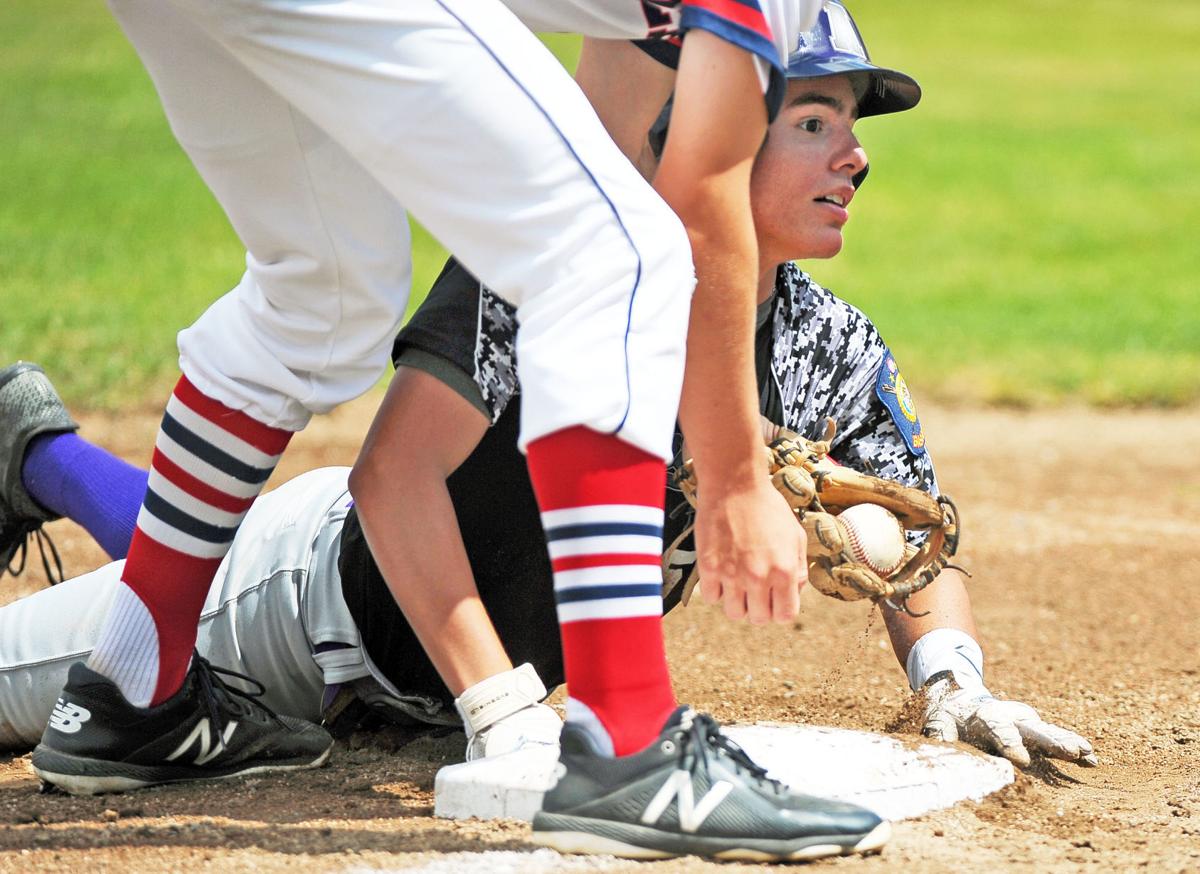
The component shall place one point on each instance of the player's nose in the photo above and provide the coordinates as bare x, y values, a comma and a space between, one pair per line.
852, 157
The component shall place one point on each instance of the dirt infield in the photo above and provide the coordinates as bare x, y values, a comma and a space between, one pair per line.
1092, 620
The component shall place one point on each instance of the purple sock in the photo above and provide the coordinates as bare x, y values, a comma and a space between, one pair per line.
69, 476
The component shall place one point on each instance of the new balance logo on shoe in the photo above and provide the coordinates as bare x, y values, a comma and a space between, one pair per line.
68, 718
691, 815
202, 734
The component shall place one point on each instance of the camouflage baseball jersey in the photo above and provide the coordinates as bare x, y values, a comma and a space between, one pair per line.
816, 356
827, 359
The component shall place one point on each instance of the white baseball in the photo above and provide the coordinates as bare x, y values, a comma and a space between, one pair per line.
873, 536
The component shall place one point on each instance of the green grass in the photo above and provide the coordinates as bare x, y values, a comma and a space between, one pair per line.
1027, 235
1029, 231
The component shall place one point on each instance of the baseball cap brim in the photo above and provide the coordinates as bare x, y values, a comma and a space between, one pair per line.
834, 46
887, 90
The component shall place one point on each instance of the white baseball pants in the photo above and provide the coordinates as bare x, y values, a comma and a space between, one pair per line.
316, 123
276, 597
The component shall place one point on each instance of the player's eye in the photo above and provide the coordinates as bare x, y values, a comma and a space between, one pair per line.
812, 125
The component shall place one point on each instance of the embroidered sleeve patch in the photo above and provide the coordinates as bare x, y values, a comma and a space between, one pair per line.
893, 392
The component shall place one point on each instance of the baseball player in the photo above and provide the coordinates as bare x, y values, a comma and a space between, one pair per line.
821, 357
817, 357
316, 125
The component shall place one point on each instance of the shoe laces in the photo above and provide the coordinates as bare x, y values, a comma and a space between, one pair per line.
16, 565
706, 739
219, 696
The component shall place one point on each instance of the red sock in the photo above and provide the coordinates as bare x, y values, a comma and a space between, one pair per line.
209, 464
601, 501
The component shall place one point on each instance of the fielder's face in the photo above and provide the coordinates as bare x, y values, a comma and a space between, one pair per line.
801, 184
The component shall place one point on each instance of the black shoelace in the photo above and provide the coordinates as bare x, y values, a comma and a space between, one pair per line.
218, 696
705, 735
16, 565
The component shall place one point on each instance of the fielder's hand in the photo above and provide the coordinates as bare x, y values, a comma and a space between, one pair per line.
751, 553
815, 489
1007, 728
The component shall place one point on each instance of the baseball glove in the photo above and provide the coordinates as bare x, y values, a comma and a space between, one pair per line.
817, 489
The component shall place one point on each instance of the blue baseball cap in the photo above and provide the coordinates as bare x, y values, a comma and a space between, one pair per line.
834, 46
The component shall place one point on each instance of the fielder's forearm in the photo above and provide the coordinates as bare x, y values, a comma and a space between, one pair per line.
719, 404
947, 605
704, 176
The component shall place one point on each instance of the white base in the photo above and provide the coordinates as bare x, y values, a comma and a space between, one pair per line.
894, 779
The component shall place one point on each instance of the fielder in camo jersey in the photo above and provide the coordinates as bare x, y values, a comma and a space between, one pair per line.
817, 357
316, 125
310, 613
803, 179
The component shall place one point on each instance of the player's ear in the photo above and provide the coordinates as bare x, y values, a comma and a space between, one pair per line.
859, 177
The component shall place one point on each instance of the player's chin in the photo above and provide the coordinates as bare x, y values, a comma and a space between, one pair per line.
827, 243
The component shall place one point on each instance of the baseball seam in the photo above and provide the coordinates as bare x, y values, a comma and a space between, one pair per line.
859, 552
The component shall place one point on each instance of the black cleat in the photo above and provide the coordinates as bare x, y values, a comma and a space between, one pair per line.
692, 792
98, 742
29, 406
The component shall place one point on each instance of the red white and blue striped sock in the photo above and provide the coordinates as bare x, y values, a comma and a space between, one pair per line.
210, 462
602, 510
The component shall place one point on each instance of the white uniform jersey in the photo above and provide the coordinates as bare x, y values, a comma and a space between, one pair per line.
317, 124
768, 29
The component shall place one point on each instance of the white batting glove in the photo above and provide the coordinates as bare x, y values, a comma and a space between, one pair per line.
1007, 728
503, 714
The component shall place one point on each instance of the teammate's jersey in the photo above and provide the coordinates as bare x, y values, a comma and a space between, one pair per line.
768, 29
817, 356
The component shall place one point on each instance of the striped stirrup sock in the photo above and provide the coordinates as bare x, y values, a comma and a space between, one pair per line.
210, 462
602, 510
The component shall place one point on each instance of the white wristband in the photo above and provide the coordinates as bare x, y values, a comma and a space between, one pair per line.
501, 695
945, 649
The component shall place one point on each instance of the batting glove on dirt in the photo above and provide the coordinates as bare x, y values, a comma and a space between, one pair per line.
503, 714
1007, 728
